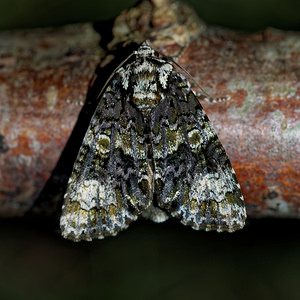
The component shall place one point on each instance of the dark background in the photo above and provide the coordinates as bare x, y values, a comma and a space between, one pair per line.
151, 261
148, 260
239, 14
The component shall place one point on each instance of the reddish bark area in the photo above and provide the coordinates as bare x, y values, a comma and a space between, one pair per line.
44, 76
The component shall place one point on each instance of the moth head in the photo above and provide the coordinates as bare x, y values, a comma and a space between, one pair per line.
145, 50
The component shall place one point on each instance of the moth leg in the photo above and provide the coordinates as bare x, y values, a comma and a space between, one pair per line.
207, 98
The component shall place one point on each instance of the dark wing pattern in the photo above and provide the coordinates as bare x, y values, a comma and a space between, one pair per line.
150, 150
194, 178
109, 183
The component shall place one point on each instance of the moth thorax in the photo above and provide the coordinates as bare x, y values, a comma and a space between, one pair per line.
146, 93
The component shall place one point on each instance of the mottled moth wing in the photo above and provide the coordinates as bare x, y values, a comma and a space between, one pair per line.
194, 178
150, 149
109, 183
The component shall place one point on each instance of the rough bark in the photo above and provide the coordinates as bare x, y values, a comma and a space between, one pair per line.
44, 84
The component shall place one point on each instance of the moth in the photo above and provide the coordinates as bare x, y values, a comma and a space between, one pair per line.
150, 150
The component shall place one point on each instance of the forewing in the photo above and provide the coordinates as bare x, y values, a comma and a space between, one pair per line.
194, 178
109, 183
